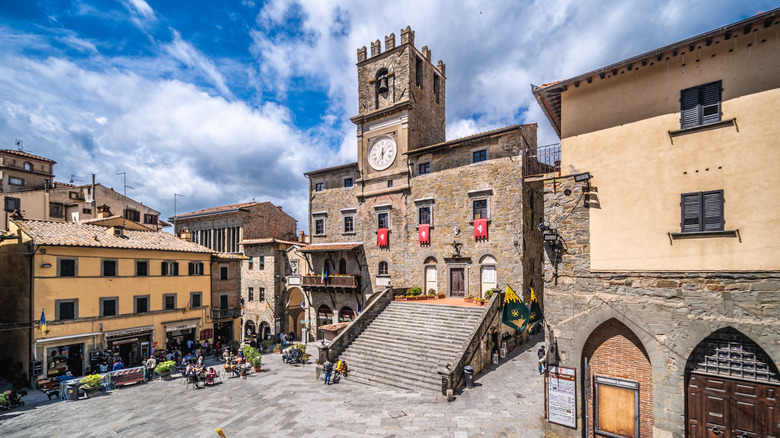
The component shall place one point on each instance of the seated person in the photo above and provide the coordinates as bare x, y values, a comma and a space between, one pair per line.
236, 369
341, 368
189, 370
210, 376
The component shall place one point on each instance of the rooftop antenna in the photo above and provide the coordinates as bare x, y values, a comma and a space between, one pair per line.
75, 178
19, 145
175, 233
124, 184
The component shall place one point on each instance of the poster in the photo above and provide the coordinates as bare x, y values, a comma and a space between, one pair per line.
561, 396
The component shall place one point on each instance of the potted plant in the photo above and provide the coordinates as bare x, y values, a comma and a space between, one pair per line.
439, 295
488, 294
468, 299
415, 292
480, 301
252, 356
400, 297
91, 382
267, 345
432, 293
278, 348
164, 369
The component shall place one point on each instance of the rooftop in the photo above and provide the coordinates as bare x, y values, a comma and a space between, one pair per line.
336, 246
267, 240
458, 141
228, 256
26, 155
332, 168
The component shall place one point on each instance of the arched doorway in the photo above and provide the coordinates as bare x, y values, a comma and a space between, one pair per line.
249, 330
430, 274
617, 383
732, 388
295, 312
324, 317
346, 314
487, 274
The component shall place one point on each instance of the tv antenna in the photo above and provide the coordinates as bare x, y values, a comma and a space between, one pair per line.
124, 184
74, 177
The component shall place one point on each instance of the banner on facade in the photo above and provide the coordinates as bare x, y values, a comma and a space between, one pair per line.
423, 232
381, 237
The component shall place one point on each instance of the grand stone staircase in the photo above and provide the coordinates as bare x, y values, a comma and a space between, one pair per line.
408, 343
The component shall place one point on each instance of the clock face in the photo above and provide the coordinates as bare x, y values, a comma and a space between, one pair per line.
382, 153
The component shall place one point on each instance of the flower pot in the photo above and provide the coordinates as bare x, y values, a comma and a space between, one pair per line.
256, 369
399, 298
440, 296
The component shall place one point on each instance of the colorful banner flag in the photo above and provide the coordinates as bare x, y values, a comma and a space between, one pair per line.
535, 317
480, 229
324, 275
515, 313
423, 233
381, 237
43, 323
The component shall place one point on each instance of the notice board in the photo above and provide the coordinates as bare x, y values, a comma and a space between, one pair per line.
562, 396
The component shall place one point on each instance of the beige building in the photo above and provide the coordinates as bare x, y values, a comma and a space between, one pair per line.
101, 289
21, 172
663, 267
416, 210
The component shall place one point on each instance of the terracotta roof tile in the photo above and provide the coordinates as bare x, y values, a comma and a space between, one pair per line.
267, 240
334, 327
26, 155
218, 209
229, 256
346, 246
76, 234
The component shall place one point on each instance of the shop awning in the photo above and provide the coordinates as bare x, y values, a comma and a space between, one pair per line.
135, 331
179, 325
64, 338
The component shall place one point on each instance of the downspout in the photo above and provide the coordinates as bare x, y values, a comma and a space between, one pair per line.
31, 353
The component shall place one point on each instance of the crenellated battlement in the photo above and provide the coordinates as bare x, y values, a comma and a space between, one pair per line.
407, 37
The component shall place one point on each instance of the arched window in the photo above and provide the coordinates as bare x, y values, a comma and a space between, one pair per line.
381, 81
346, 315
488, 268
324, 316
28, 166
383, 268
342, 266
431, 261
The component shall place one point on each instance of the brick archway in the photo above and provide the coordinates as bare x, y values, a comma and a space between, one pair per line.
617, 381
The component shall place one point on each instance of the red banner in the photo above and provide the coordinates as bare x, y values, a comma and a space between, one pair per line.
423, 232
480, 229
381, 237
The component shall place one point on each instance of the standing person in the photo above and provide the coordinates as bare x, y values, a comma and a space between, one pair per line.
151, 364
291, 336
118, 364
283, 338
327, 367
542, 356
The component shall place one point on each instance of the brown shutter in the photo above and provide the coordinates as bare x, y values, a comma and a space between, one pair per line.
713, 210
710, 103
690, 213
689, 107
164, 269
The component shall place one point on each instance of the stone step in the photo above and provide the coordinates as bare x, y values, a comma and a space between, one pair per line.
409, 343
401, 376
378, 353
376, 364
403, 385
437, 310
459, 329
441, 307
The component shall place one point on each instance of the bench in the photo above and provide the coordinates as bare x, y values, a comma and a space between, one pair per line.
128, 376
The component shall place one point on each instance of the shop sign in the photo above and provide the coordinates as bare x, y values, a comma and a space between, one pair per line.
206, 334
562, 396
181, 327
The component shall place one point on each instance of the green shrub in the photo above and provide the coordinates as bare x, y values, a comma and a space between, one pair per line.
488, 294
267, 344
431, 291
415, 291
91, 381
165, 367
252, 355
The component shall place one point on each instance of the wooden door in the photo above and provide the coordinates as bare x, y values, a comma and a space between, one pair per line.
719, 407
457, 283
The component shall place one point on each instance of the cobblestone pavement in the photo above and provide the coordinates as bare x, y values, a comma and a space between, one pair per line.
285, 400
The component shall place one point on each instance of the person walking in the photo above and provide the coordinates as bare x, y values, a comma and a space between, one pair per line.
327, 367
151, 364
542, 355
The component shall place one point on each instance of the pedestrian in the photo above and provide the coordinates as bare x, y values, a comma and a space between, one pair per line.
291, 336
542, 356
283, 338
118, 364
327, 367
151, 364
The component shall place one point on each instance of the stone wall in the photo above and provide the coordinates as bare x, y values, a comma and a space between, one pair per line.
258, 310
15, 304
669, 312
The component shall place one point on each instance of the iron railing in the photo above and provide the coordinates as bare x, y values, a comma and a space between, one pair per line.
542, 159
336, 281
234, 312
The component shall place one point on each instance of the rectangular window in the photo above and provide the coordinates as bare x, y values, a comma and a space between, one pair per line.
319, 226
195, 268
12, 204
261, 264
261, 294
169, 268
251, 294
383, 220
141, 304
196, 299
66, 309
151, 219
390, 183
418, 72
436, 85
108, 268
700, 105
349, 224
141, 268
223, 272
480, 209
132, 215
67, 267
702, 211
169, 301
74, 195
109, 306
424, 215
15, 181
479, 156
223, 301
251, 263
318, 187
55, 210
424, 168
348, 182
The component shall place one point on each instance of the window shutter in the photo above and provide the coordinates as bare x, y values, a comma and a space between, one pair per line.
713, 210
164, 269
176, 268
690, 213
191, 268
710, 103
689, 107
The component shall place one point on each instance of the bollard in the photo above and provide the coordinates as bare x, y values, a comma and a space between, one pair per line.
468, 372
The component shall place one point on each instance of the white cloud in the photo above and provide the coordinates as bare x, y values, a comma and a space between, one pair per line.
141, 8
192, 57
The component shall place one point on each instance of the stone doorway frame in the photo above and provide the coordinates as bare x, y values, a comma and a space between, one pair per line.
458, 263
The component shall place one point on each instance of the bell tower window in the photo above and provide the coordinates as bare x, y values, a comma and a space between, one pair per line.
381, 81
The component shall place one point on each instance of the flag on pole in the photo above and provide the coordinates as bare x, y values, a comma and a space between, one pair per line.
515, 313
536, 316
43, 323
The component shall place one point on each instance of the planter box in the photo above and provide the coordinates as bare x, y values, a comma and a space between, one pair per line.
400, 298
440, 296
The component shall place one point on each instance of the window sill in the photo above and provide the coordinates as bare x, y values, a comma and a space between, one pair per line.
704, 234
430, 226
471, 222
708, 126
349, 233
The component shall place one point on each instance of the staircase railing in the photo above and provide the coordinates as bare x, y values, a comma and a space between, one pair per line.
340, 342
453, 373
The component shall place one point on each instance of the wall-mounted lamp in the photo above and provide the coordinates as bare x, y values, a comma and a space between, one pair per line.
580, 177
551, 237
543, 227
46, 265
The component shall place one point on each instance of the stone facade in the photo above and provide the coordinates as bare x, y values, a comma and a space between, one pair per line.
225, 298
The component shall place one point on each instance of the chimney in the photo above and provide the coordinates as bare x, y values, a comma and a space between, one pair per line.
184, 234
301, 237
104, 211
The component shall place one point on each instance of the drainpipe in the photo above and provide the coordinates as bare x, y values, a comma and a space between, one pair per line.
31, 353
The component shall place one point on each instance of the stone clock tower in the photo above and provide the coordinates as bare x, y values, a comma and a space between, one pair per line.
401, 109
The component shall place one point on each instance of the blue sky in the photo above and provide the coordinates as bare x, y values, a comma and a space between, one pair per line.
229, 101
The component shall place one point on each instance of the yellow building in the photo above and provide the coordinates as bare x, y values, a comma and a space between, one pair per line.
101, 288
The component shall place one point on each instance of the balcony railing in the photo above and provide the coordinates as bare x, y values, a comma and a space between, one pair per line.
335, 282
543, 159
234, 312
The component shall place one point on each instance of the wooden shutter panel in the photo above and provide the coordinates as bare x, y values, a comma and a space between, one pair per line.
690, 213
710, 103
164, 269
176, 268
713, 210
689, 107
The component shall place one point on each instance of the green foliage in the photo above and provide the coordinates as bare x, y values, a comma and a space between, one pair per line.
165, 367
488, 294
233, 346
415, 291
252, 355
90, 381
431, 291
267, 344
301, 347
3, 398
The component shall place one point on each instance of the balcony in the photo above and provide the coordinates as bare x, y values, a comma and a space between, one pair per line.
233, 312
542, 160
335, 283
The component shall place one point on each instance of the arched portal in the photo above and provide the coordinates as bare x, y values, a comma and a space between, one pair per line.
249, 329
324, 317
617, 383
295, 312
265, 331
346, 314
732, 388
